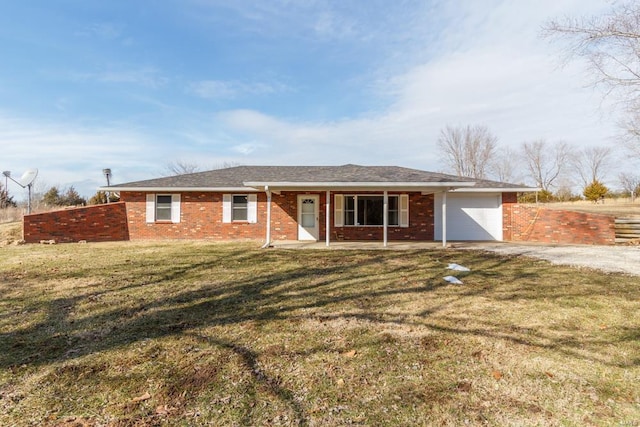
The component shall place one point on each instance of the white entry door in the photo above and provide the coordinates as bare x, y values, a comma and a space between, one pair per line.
308, 217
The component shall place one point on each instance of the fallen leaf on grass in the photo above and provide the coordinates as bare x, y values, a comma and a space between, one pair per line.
549, 374
144, 397
164, 410
497, 375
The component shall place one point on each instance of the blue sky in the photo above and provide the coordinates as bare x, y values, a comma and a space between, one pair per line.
135, 85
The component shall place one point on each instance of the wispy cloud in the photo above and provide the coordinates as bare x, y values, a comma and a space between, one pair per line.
143, 76
102, 30
220, 89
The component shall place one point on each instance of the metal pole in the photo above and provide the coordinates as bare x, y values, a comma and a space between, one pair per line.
29, 200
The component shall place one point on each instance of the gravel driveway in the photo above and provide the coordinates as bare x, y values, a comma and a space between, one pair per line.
624, 259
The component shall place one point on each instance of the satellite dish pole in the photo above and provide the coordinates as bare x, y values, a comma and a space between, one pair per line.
5, 201
26, 181
107, 174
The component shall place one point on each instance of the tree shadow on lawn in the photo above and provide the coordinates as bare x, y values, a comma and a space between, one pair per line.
336, 282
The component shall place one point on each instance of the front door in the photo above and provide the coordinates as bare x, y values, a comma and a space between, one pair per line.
308, 217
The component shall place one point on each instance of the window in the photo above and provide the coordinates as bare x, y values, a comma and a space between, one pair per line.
239, 208
163, 208
368, 210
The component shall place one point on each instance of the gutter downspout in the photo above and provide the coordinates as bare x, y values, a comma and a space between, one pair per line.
268, 238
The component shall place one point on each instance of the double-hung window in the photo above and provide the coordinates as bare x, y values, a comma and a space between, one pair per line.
163, 208
239, 207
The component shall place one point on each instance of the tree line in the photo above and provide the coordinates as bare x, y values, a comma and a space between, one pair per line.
554, 167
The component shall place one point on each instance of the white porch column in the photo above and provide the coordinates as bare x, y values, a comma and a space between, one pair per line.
444, 219
268, 238
327, 214
385, 218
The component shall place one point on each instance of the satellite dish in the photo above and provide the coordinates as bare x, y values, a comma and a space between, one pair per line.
28, 177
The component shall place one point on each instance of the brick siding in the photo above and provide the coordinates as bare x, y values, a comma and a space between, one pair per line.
100, 223
543, 225
201, 218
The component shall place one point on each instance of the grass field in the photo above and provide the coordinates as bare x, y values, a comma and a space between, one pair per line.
619, 207
193, 333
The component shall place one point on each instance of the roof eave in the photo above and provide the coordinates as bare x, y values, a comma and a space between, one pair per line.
495, 190
181, 189
416, 186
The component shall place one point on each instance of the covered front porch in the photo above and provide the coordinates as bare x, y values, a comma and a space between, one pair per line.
330, 216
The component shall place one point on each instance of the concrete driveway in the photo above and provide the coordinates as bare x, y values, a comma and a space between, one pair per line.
619, 259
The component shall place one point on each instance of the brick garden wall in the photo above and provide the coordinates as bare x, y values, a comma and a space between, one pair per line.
542, 225
100, 223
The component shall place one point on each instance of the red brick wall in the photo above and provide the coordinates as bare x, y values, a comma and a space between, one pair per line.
539, 224
201, 218
509, 200
100, 223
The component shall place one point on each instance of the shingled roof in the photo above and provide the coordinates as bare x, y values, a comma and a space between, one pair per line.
326, 176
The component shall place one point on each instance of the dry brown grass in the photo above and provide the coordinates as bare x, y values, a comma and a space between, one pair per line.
10, 232
619, 207
184, 333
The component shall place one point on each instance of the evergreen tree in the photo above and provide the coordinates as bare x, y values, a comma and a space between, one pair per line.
595, 191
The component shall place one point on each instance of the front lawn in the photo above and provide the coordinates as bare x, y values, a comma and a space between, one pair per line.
186, 333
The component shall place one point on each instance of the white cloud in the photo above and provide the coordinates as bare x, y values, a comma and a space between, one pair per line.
493, 70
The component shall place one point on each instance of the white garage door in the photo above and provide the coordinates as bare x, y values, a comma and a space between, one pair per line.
470, 216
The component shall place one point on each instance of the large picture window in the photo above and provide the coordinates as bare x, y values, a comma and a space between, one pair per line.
368, 210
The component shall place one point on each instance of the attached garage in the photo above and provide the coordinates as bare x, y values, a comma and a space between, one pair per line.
470, 216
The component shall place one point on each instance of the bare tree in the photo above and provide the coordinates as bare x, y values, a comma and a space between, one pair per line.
590, 163
610, 45
181, 167
504, 166
631, 184
545, 162
468, 150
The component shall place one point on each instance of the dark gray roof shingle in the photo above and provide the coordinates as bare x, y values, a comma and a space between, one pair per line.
235, 177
